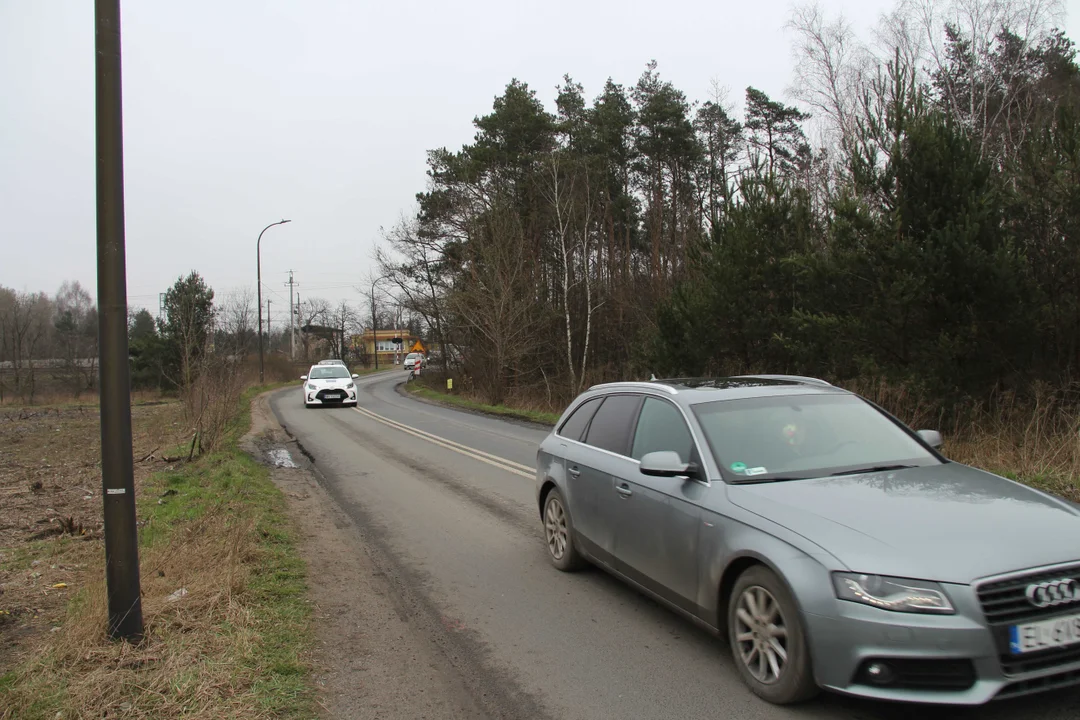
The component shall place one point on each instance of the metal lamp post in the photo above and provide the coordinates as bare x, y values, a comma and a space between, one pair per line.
375, 321
258, 270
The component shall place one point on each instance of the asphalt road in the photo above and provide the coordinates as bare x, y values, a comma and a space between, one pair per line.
445, 499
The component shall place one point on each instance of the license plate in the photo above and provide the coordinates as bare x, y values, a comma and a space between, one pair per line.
1045, 634
328, 396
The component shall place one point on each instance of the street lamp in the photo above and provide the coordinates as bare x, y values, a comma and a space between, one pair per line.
258, 270
375, 321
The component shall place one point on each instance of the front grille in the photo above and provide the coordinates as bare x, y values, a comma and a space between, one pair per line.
1004, 602
920, 674
1038, 685
342, 395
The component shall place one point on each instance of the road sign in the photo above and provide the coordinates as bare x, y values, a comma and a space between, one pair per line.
417, 347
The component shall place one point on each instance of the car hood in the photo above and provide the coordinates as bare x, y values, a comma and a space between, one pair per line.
331, 382
950, 523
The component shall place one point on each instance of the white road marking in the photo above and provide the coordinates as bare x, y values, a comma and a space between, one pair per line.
493, 460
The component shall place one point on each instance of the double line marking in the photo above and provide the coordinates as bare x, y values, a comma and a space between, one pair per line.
493, 460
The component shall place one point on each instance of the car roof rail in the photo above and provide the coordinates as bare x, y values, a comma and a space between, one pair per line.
803, 379
633, 384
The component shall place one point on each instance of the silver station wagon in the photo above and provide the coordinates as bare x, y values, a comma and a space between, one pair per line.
833, 546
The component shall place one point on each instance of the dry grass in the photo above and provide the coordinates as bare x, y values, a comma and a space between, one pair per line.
226, 622
50, 509
88, 398
519, 408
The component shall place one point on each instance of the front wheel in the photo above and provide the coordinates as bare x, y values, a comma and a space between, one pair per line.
559, 533
767, 639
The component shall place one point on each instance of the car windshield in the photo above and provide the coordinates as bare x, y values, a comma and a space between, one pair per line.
795, 437
328, 372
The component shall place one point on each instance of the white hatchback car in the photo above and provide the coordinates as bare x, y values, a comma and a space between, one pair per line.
414, 359
329, 385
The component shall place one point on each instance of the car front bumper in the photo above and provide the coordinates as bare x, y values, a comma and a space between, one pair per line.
941, 659
318, 397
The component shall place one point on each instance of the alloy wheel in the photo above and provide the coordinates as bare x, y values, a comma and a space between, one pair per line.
761, 634
555, 527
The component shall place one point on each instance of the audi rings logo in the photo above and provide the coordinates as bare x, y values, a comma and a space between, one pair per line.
1054, 592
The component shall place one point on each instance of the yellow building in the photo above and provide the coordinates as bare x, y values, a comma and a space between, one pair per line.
390, 352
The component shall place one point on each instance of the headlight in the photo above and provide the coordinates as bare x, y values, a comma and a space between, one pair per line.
889, 593
310, 386
350, 386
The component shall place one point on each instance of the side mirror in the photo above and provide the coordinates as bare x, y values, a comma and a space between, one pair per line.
303, 377
667, 463
354, 375
931, 438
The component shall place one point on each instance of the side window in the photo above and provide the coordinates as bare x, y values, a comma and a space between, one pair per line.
574, 427
611, 426
661, 427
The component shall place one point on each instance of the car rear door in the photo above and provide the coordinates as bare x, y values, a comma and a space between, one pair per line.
590, 464
659, 519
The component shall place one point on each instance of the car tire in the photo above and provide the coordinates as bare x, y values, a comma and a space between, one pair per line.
765, 633
559, 533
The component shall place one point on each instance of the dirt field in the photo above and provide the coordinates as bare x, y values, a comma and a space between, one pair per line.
50, 508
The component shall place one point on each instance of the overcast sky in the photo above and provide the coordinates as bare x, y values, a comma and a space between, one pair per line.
238, 113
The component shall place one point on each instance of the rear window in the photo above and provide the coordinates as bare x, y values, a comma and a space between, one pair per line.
327, 372
610, 427
574, 427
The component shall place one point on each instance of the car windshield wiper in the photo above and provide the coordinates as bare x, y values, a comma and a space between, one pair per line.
754, 480
875, 468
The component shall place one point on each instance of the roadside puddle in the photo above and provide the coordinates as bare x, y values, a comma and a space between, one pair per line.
281, 458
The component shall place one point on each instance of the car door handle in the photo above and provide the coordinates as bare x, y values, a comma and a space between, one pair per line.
624, 490
574, 472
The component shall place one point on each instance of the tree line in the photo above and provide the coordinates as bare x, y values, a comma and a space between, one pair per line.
912, 216
47, 339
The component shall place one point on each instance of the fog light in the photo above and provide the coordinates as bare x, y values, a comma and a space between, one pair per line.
879, 673
310, 397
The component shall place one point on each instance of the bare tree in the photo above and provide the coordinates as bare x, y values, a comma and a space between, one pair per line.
345, 320
26, 324
497, 305
76, 337
979, 80
313, 311
416, 263
830, 64
235, 331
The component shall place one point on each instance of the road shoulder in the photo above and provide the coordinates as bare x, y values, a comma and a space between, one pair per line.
369, 662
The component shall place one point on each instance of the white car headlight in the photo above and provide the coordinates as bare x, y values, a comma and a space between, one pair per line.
895, 594
350, 386
310, 386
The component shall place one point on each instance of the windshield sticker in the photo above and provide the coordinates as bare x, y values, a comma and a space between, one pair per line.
756, 471
738, 467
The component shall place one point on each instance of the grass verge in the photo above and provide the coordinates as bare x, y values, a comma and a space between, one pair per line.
227, 621
537, 416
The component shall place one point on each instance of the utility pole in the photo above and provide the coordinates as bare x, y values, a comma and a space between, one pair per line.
117, 464
268, 346
160, 305
292, 333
